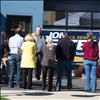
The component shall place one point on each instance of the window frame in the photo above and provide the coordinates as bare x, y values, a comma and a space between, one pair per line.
67, 27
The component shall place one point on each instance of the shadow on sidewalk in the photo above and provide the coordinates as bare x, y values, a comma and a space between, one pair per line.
84, 95
27, 94
37, 93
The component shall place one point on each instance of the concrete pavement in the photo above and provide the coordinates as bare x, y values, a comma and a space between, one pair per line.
44, 95
36, 93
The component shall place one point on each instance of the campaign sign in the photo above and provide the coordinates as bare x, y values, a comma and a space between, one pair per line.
78, 37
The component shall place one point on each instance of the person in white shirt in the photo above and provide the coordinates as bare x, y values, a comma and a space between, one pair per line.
15, 43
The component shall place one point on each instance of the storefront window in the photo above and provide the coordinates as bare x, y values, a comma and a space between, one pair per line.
54, 18
71, 20
96, 19
79, 19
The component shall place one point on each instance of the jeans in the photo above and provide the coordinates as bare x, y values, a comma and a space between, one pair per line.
14, 64
90, 69
61, 65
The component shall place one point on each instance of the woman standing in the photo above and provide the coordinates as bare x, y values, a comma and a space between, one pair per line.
48, 64
90, 50
28, 62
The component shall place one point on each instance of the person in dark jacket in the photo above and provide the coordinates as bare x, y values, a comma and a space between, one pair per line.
65, 52
48, 63
91, 56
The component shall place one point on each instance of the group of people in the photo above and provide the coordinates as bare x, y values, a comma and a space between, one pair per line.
36, 53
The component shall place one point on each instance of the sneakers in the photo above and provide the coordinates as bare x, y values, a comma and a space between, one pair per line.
57, 89
18, 86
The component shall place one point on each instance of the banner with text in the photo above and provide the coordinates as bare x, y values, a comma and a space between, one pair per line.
78, 37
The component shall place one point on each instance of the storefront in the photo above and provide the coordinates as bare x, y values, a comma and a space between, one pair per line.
77, 17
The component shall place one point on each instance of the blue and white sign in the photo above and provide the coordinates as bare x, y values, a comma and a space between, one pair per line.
78, 37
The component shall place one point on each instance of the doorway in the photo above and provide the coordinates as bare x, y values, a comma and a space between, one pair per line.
14, 21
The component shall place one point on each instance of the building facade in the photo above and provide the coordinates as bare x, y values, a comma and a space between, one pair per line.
72, 14
27, 13
49, 14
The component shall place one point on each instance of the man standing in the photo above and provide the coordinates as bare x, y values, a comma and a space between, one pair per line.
65, 52
15, 43
40, 43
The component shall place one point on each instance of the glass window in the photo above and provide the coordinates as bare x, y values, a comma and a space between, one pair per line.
56, 18
79, 19
96, 19
71, 20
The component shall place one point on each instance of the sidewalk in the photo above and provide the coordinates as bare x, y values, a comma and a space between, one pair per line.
44, 95
36, 93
